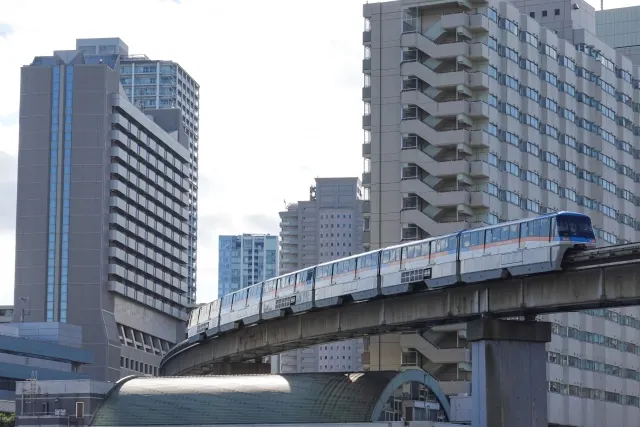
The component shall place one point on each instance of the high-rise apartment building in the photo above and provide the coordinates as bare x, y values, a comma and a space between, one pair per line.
481, 112
159, 84
245, 260
619, 29
328, 226
102, 229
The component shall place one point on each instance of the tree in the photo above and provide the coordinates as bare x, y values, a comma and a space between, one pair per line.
7, 420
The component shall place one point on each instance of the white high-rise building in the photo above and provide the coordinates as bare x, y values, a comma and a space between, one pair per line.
485, 111
325, 227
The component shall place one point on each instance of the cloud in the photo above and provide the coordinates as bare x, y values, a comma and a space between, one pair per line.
8, 177
261, 141
209, 226
5, 30
262, 223
9, 119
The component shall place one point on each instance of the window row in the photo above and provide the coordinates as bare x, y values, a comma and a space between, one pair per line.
552, 52
571, 168
154, 151
151, 207
593, 366
552, 105
594, 338
592, 393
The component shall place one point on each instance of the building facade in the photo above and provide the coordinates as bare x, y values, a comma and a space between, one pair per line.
6, 313
244, 260
152, 84
102, 233
619, 29
45, 351
328, 226
480, 113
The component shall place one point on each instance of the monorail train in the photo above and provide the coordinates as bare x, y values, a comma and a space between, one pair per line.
509, 249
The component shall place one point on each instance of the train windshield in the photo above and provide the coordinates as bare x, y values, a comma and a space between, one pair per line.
574, 226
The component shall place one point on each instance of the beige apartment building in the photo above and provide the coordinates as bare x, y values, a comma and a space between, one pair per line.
477, 112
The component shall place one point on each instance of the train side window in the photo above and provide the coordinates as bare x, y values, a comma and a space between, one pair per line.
504, 234
411, 252
373, 260
524, 232
514, 232
488, 236
418, 249
352, 264
386, 256
310, 275
453, 243
466, 240
405, 252
474, 239
226, 300
425, 249
536, 228
544, 227
363, 262
496, 235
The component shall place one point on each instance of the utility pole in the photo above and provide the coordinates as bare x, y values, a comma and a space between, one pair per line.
23, 312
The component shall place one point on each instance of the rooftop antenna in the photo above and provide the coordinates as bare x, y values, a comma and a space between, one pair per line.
24, 312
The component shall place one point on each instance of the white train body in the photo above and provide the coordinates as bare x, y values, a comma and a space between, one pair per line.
510, 249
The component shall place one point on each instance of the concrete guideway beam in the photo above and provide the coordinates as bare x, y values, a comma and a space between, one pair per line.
602, 286
508, 385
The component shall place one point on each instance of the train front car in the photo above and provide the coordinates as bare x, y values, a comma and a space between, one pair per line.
575, 229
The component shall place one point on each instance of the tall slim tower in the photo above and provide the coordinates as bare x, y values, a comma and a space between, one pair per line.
244, 260
328, 226
160, 84
102, 229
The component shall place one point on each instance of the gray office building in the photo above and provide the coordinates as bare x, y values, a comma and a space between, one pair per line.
619, 29
102, 233
478, 113
160, 84
328, 226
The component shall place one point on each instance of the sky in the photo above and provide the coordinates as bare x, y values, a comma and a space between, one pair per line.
280, 98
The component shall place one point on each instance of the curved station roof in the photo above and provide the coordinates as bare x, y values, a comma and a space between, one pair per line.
257, 399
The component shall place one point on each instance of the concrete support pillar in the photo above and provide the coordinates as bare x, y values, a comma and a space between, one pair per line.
508, 382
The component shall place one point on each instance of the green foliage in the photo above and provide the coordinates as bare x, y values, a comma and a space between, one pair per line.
7, 420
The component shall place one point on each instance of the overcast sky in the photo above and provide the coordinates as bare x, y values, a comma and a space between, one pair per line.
280, 98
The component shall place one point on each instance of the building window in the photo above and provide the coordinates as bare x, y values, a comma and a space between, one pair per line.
544, 13
532, 14
557, 12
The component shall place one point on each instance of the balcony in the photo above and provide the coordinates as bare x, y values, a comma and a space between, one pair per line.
366, 150
366, 121
444, 139
366, 207
432, 107
430, 225
366, 37
366, 92
435, 51
366, 178
366, 64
